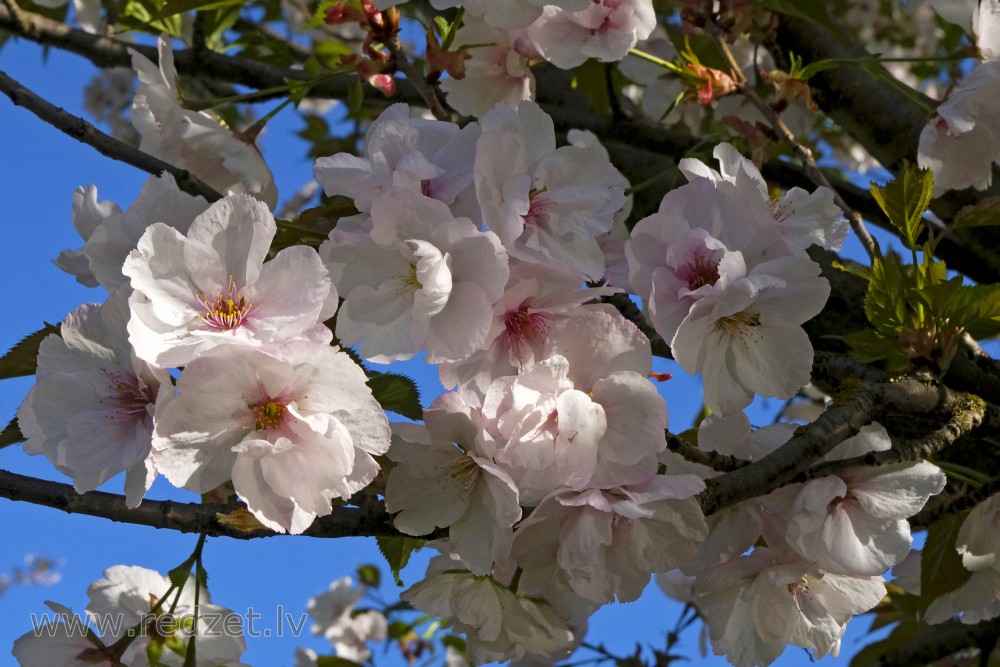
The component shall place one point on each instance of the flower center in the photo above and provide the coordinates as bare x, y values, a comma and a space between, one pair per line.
466, 473
520, 325
410, 279
700, 271
228, 310
738, 323
536, 205
269, 414
131, 399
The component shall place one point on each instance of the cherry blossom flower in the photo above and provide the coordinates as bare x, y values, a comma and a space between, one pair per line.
756, 605
798, 217
496, 72
747, 339
430, 157
548, 205
212, 286
978, 598
958, 144
335, 618
608, 542
91, 411
499, 624
604, 29
422, 279
293, 427
535, 298
111, 234
194, 140
445, 478
143, 607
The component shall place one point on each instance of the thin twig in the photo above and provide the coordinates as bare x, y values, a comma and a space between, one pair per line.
83, 131
426, 90
713, 460
781, 128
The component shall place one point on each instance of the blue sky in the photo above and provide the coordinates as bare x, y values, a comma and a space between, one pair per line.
39, 170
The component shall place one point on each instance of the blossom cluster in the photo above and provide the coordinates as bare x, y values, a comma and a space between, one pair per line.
488, 249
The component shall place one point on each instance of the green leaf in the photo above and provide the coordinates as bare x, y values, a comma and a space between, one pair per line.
369, 575
904, 200
868, 346
983, 214
355, 96
397, 393
976, 308
886, 300
397, 550
941, 569
455, 642
591, 78
179, 575
172, 7
854, 268
22, 358
11, 434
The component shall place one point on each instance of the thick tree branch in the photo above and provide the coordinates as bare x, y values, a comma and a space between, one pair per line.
230, 520
939, 641
107, 145
784, 464
965, 419
792, 460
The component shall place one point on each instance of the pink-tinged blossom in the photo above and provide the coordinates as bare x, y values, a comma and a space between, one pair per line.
63, 643
535, 298
747, 339
855, 522
422, 280
130, 593
194, 140
548, 205
293, 427
584, 415
959, 143
335, 618
91, 411
608, 542
499, 624
111, 234
799, 218
756, 605
212, 286
88, 215
978, 598
604, 29
496, 72
430, 157
130, 604
445, 477
609, 361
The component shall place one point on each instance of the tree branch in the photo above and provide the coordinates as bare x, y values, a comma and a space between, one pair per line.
107, 145
231, 520
938, 641
965, 420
